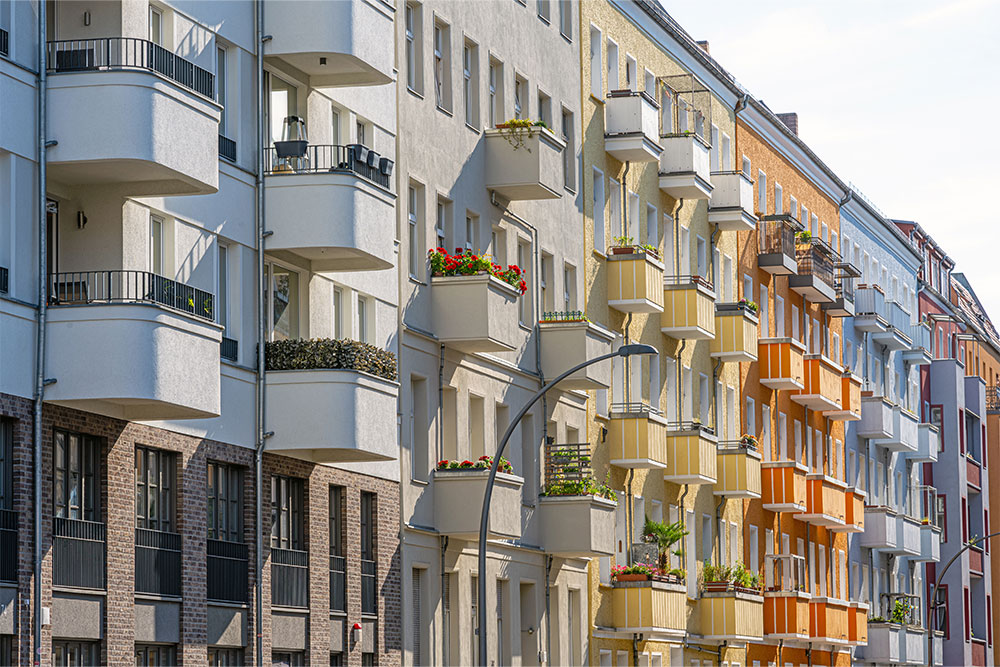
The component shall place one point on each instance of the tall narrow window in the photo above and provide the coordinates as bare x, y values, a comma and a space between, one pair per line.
156, 245
545, 109
442, 66
470, 83
338, 552
419, 428
369, 553
76, 492
155, 25
286, 513
471, 232
596, 72
417, 620
338, 313
220, 86
600, 243
6, 465
524, 261
544, 11
612, 66
569, 288
222, 300
413, 47
414, 201
225, 502
365, 313
155, 488
282, 302
496, 92
520, 96
566, 18
569, 153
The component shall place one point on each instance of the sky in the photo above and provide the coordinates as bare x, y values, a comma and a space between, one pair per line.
900, 98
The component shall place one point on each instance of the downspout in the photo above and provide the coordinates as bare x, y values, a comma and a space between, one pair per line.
446, 650
680, 389
261, 333
548, 610
629, 515
715, 396
677, 237
40, 329
718, 536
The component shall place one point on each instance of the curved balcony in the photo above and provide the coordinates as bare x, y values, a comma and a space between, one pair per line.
825, 500
823, 384
133, 345
631, 126
569, 339
731, 205
128, 113
783, 486
850, 399
331, 208
685, 166
739, 474
688, 308
735, 333
344, 43
635, 281
781, 363
531, 170
691, 454
475, 313
637, 437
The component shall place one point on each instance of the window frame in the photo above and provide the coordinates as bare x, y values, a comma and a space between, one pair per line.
164, 488
90, 468
229, 478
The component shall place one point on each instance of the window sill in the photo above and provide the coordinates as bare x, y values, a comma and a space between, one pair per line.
472, 128
545, 20
445, 111
228, 604
570, 190
568, 38
415, 93
417, 281
596, 98
600, 254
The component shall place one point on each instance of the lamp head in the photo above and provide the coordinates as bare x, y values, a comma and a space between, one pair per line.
636, 348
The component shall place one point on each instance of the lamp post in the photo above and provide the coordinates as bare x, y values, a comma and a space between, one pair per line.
932, 603
623, 351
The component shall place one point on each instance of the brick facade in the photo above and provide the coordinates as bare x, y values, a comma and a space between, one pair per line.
120, 439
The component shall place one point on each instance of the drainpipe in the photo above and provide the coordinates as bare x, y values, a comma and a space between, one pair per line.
635, 649
548, 610
40, 329
261, 333
446, 650
718, 536
715, 396
629, 516
680, 390
781, 644
677, 237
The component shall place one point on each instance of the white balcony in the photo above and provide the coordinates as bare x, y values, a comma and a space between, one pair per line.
930, 544
870, 315
524, 163
896, 335
881, 530
877, 419
134, 361
475, 313
631, 126
332, 210
458, 504
566, 343
904, 432
928, 444
326, 415
731, 205
884, 644
577, 526
908, 540
344, 43
685, 171
128, 113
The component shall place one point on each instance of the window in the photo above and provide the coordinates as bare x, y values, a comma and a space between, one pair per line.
600, 243
524, 261
612, 66
778, 199
220, 85
615, 209
716, 147
222, 300
569, 153
288, 659
282, 102
361, 132
286, 513
417, 620
566, 18
338, 561
225, 502
155, 655
155, 25
496, 92
76, 654
545, 281
544, 11
471, 232
281, 295
442, 66
569, 288
419, 427
365, 314
520, 95
414, 222
156, 244
77, 481
338, 313
498, 244
761, 192
501, 639
369, 550
746, 166
596, 72
631, 74
545, 109
155, 482
652, 226
666, 111
470, 83
6, 464
414, 48
225, 657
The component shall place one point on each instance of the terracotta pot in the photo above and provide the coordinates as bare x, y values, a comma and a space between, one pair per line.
716, 586
626, 250
632, 577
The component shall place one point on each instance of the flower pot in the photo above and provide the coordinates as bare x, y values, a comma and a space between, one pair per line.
287, 149
625, 250
716, 586
621, 578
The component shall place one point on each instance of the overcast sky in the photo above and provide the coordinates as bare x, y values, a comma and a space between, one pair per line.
900, 98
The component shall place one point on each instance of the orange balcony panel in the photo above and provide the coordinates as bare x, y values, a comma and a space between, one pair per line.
786, 615
850, 399
783, 486
857, 623
828, 621
854, 517
781, 363
823, 386
825, 501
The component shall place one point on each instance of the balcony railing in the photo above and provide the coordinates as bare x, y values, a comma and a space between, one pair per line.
567, 462
993, 399
157, 562
128, 53
124, 286
815, 260
870, 300
289, 578
227, 148
321, 158
338, 583
227, 571
369, 600
4, 280
776, 237
784, 573
8, 545
229, 349
78, 558
4, 42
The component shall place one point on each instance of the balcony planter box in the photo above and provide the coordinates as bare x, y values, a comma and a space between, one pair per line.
577, 526
823, 384
735, 333
631, 126
568, 343
533, 170
739, 473
623, 578
781, 362
637, 439
458, 504
685, 167
475, 313
783, 486
290, 149
688, 309
649, 606
691, 455
731, 205
731, 614
876, 418
635, 282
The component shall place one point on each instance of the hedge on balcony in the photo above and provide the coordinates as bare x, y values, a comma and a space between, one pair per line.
288, 355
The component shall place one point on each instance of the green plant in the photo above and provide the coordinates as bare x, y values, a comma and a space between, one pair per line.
901, 609
518, 130
580, 487
467, 263
482, 463
748, 304
804, 236
876, 619
622, 241
647, 569
749, 441
317, 353
717, 573
665, 535
678, 572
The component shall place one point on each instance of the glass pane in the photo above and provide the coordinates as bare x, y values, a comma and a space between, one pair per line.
285, 304
283, 103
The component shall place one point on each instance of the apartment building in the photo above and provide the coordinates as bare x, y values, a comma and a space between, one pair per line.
159, 292
953, 395
886, 346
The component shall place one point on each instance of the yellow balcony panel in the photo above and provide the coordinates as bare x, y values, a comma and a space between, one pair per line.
688, 308
649, 606
691, 454
857, 623
850, 399
823, 385
635, 281
783, 486
738, 471
781, 362
735, 333
732, 615
828, 621
637, 437
824, 501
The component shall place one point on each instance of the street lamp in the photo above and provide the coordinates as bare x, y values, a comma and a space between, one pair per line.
623, 351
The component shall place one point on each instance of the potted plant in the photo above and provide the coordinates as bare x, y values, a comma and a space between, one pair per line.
293, 142
468, 263
634, 572
518, 130
900, 611
716, 578
748, 441
748, 305
665, 535
622, 245
804, 236
482, 463
744, 580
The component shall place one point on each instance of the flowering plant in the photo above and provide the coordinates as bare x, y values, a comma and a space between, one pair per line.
748, 304
467, 263
482, 463
647, 569
516, 130
748, 441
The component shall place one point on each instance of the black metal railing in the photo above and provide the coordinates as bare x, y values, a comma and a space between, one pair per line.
4, 279
118, 53
369, 602
740, 446
227, 571
330, 157
690, 426
814, 260
684, 281
4, 43
78, 553
776, 236
567, 462
227, 148
122, 286
338, 583
742, 307
289, 578
634, 408
229, 349
993, 399
8, 545
157, 562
